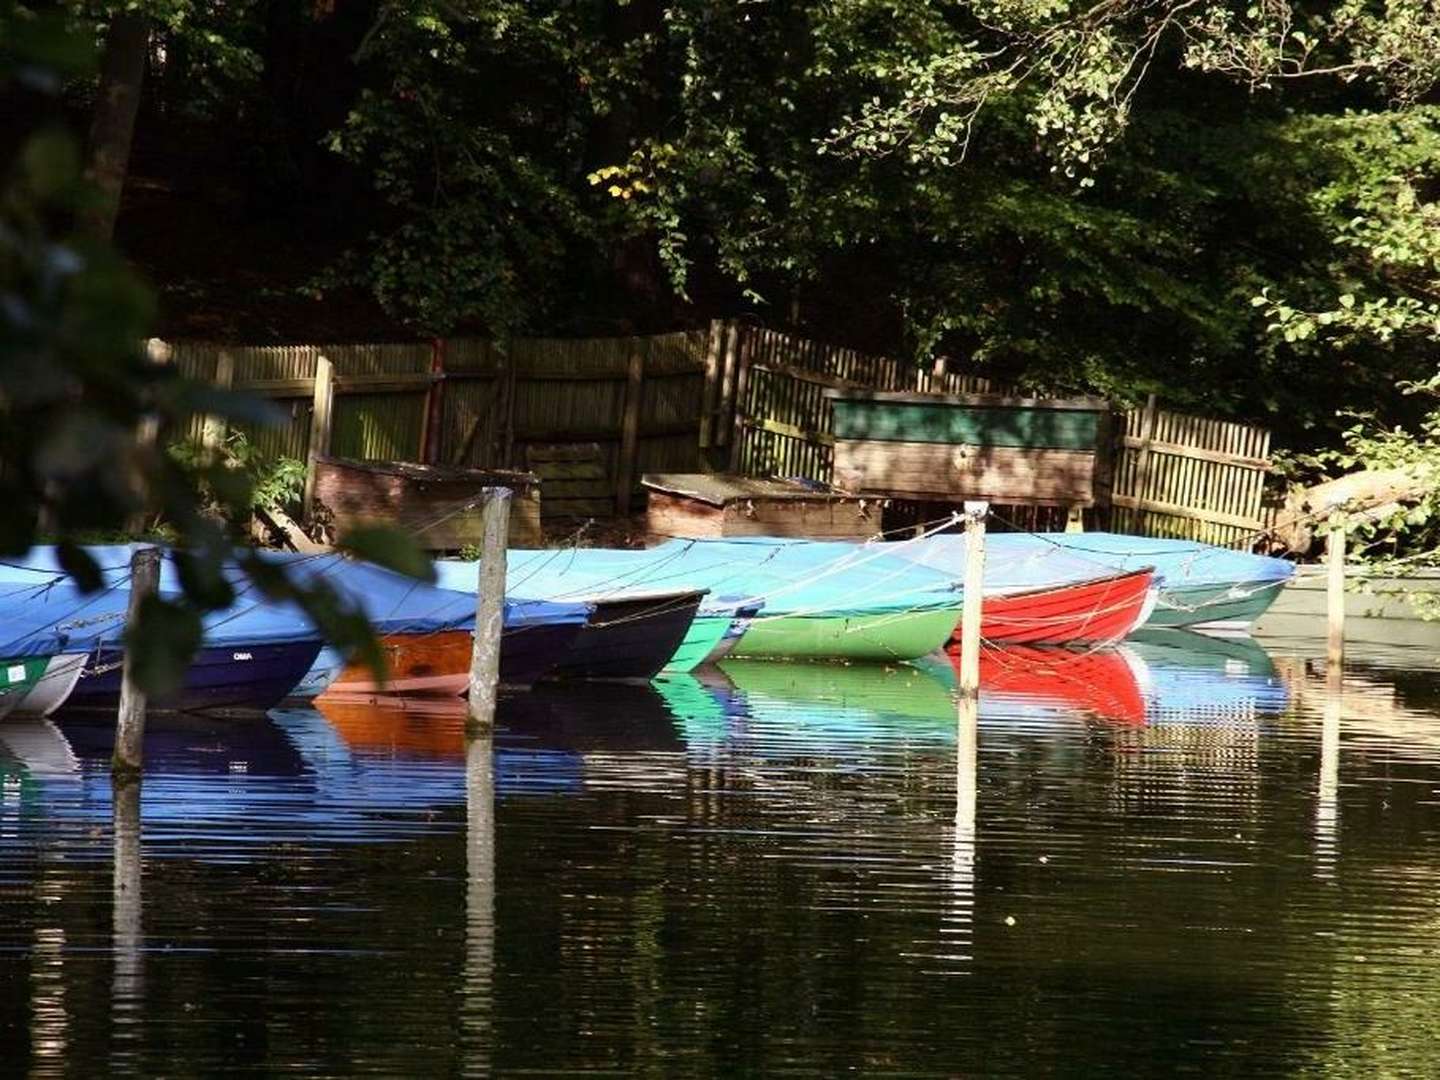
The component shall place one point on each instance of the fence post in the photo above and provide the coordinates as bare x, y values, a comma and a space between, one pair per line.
216, 427
1151, 418
630, 427
725, 409
709, 403
742, 378
147, 434
433, 423
489, 610
129, 753
322, 409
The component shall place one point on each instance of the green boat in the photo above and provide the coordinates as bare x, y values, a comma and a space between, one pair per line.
882, 636
703, 638
17, 678
1226, 606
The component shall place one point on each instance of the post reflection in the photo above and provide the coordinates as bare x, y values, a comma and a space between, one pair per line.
49, 1016
479, 968
960, 926
1327, 811
127, 986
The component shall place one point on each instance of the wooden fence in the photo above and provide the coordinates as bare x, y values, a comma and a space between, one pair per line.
1186, 476
611, 409
1167, 473
765, 411
594, 415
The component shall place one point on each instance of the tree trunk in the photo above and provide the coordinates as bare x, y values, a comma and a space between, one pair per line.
112, 126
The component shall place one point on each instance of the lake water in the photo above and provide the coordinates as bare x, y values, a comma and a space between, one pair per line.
1178, 857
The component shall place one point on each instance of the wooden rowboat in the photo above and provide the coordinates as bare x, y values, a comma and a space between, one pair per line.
1101, 609
439, 663
229, 677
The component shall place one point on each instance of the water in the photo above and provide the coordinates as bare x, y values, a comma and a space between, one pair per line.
1163, 860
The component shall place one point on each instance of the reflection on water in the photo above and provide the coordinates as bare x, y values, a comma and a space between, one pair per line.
1180, 854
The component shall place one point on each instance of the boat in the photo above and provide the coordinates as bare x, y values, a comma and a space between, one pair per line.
425, 631
821, 600
54, 686
634, 635
1096, 610
1201, 586
19, 676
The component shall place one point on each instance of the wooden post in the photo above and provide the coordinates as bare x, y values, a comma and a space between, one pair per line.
1335, 596
725, 413
506, 456
709, 403
130, 724
489, 610
215, 426
975, 513
433, 426
147, 434
321, 411
742, 378
630, 428
1149, 422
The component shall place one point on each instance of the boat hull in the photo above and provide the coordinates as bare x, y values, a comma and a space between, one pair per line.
630, 638
242, 678
439, 664
881, 637
1226, 606
1103, 609
53, 687
702, 640
18, 677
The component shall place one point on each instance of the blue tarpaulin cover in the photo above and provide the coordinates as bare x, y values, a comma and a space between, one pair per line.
789, 576
42, 612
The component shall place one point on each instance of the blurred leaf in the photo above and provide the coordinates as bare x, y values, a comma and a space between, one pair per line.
80, 565
391, 548
162, 644
203, 579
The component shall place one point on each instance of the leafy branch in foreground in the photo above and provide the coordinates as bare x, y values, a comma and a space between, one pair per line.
76, 392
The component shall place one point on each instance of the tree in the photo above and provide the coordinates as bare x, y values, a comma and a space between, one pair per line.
76, 389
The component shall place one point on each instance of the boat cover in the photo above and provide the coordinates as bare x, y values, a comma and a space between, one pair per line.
42, 612
789, 576
1178, 563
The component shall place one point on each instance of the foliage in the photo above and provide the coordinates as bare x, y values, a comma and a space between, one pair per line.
273, 484
77, 388
1206, 200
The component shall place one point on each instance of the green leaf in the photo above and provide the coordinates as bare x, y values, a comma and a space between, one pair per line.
389, 547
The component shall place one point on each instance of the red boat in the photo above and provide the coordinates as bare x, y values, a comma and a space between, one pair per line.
1100, 609
1100, 682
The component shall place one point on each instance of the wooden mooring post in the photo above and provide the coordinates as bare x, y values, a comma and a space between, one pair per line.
974, 584
489, 611
1335, 596
130, 723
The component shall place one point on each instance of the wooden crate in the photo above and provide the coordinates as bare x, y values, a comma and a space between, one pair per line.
434, 503
972, 446
717, 505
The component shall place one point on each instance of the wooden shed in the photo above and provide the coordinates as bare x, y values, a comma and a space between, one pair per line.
1049, 452
715, 505
437, 504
